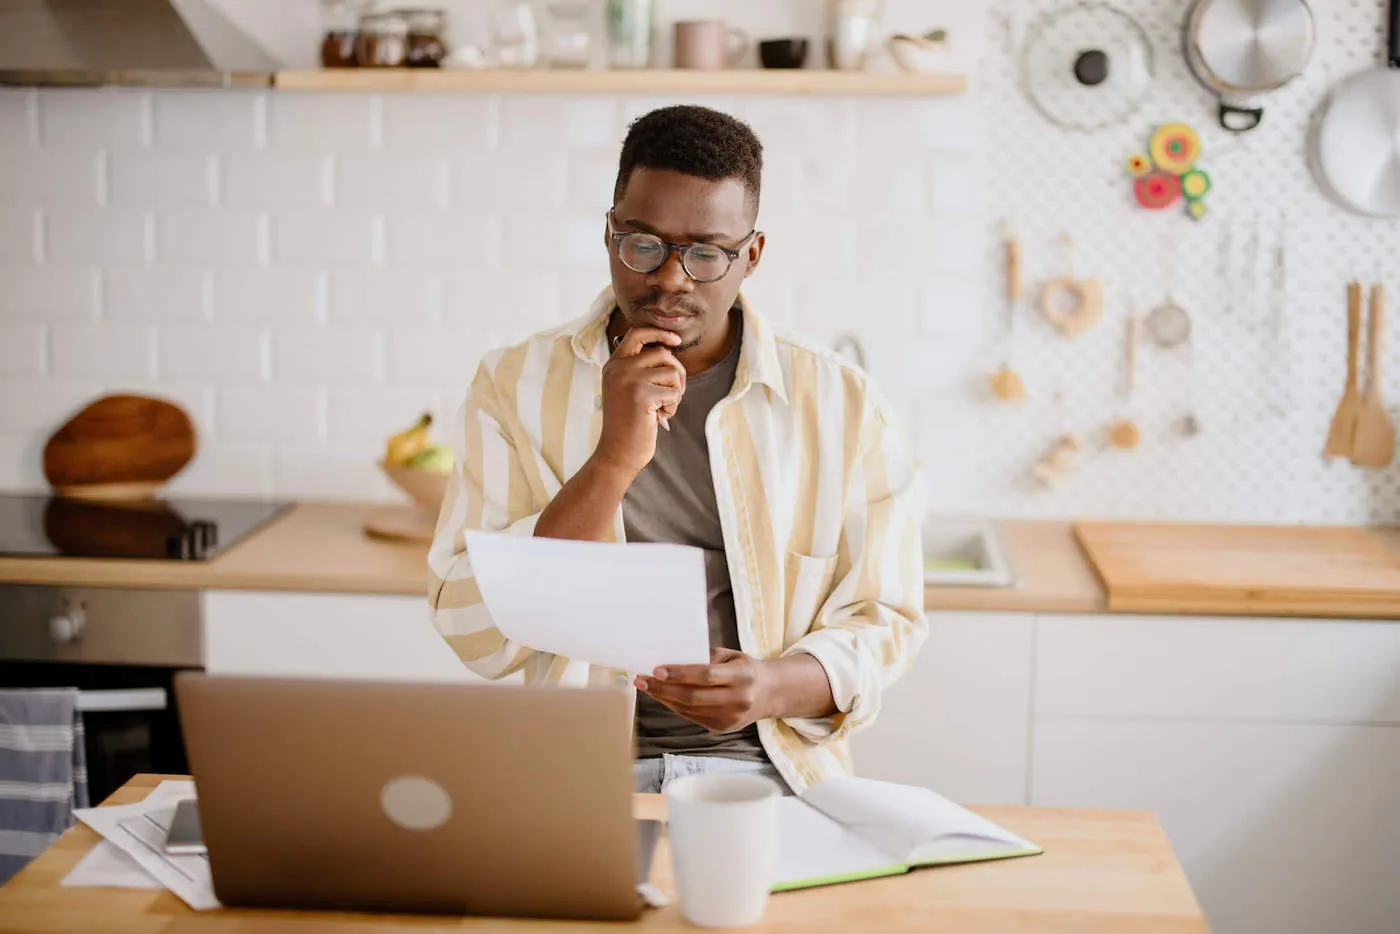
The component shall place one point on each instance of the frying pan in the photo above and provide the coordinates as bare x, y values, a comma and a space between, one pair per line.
1242, 48
1354, 145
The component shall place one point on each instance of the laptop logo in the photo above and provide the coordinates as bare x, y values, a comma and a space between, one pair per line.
415, 803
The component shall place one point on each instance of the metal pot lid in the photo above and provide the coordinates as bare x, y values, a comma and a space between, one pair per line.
1356, 143
1251, 46
1086, 66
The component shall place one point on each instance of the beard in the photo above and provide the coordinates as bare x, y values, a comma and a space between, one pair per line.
693, 315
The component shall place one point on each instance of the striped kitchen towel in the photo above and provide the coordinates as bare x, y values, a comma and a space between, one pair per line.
43, 771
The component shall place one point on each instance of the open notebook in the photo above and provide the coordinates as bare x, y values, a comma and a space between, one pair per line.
845, 829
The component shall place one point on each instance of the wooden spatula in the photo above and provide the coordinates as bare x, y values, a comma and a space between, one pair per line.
1375, 432
1342, 437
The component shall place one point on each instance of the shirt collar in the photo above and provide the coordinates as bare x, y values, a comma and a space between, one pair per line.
758, 357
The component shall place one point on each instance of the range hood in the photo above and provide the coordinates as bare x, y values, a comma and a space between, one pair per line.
163, 43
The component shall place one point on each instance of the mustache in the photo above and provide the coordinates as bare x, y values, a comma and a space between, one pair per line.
653, 302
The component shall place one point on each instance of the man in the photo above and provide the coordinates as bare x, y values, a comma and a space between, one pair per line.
671, 412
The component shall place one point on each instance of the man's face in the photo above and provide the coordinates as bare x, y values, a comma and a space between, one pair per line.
683, 209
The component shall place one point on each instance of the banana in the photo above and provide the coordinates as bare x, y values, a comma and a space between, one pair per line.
408, 444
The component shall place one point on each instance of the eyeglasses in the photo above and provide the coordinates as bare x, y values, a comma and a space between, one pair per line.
646, 253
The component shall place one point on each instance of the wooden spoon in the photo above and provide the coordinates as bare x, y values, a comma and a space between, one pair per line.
1124, 434
1341, 437
1375, 432
1006, 384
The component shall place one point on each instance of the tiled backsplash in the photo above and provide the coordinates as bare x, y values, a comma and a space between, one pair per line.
306, 273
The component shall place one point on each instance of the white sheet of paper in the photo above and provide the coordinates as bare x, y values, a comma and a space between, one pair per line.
107, 866
138, 830
366, 638
628, 607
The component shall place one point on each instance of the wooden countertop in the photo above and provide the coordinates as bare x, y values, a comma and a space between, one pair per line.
321, 547
312, 547
1102, 871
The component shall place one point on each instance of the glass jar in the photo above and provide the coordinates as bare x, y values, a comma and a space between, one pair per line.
568, 38
382, 42
426, 28
631, 32
339, 19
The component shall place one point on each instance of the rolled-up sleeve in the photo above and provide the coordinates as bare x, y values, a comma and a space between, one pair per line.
487, 491
872, 624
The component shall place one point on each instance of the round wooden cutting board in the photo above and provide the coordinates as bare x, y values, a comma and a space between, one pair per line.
119, 447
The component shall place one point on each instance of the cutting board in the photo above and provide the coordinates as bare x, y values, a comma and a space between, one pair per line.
120, 446
1243, 570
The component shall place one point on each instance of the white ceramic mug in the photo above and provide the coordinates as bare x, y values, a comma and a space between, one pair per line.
723, 828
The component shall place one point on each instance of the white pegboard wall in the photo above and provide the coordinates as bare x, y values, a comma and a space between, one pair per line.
1264, 403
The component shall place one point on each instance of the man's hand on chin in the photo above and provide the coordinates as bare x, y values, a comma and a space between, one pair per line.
735, 689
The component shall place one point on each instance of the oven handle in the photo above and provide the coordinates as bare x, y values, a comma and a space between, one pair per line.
122, 701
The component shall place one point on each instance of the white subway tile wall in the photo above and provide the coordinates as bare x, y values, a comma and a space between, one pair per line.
307, 273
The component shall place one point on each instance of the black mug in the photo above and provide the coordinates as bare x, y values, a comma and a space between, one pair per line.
783, 53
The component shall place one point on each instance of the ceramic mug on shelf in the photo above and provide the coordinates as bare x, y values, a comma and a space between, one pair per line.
709, 44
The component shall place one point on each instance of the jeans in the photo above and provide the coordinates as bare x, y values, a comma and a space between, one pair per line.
653, 774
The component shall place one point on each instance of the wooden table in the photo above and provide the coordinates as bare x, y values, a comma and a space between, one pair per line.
1102, 871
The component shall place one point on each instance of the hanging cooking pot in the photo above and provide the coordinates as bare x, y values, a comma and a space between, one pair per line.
1354, 143
1243, 48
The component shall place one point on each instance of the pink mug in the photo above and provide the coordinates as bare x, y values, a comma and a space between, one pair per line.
709, 44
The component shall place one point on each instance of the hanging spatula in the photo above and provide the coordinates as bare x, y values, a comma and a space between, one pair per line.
1341, 439
1375, 432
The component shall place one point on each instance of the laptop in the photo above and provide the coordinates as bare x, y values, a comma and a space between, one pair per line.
401, 797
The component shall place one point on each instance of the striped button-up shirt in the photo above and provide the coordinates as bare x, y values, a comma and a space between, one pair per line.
818, 497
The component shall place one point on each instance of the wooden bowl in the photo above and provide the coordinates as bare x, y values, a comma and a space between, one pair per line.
427, 488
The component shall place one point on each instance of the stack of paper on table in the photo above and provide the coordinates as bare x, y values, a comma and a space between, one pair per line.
132, 854
845, 829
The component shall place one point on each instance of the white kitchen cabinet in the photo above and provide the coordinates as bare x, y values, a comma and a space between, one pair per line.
957, 721
1268, 748
293, 633
1280, 827
1316, 671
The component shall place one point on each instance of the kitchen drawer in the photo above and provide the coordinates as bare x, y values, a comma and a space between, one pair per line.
98, 625
1322, 671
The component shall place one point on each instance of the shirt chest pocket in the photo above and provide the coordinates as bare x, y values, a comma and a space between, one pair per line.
807, 581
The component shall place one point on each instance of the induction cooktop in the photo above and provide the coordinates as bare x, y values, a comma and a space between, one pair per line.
176, 529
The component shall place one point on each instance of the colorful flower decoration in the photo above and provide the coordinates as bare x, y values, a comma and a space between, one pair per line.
1174, 147
1195, 184
1168, 171
1157, 190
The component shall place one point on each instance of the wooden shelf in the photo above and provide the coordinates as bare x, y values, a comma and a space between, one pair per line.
645, 82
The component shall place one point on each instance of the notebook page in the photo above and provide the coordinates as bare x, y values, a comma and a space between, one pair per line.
907, 820
814, 850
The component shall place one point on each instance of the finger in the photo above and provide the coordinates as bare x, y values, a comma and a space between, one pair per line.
656, 398
637, 338
687, 695
720, 655
701, 675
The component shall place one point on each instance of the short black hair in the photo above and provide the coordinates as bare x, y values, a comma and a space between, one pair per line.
696, 141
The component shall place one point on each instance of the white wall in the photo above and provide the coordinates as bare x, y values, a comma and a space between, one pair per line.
307, 272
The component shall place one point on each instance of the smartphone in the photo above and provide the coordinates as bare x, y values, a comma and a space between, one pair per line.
184, 838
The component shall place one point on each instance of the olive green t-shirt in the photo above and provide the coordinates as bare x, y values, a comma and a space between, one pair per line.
673, 500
